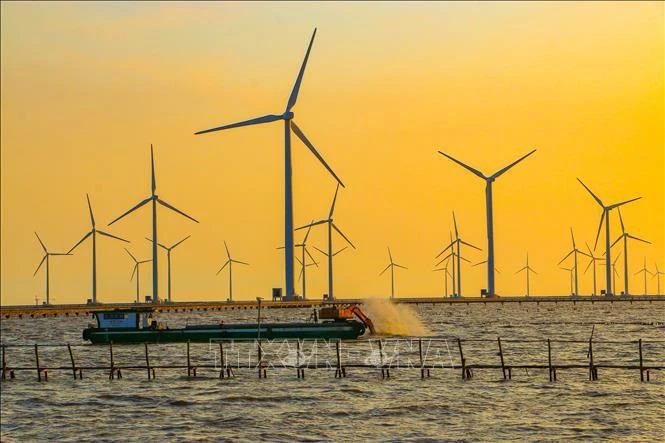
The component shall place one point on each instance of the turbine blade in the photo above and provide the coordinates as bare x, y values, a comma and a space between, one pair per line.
588, 266
387, 267
475, 171
133, 209
307, 143
254, 121
616, 205
623, 230
145, 261
533, 271
241, 262
136, 267
298, 260
400, 266
455, 223
180, 241
573, 237
302, 269
130, 254
501, 171
390, 255
444, 259
344, 236
332, 207
307, 234
322, 252
310, 256
444, 250
468, 261
480, 263
92, 217
41, 243
40, 265
152, 170
617, 240
80, 241
220, 269
638, 239
524, 268
469, 244
600, 226
112, 236
592, 194
340, 251
313, 224
564, 259
158, 244
228, 254
296, 87
163, 203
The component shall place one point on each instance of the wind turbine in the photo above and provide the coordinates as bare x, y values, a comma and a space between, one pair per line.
528, 269
154, 199
645, 271
392, 266
457, 242
136, 271
446, 273
570, 270
625, 236
93, 232
574, 251
168, 260
330, 254
304, 250
488, 203
592, 262
615, 273
46, 258
289, 125
605, 217
230, 262
657, 274
301, 275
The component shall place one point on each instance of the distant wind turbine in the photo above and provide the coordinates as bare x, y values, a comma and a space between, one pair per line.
446, 273
645, 271
154, 199
230, 262
455, 259
168, 250
570, 271
47, 254
574, 252
303, 263
605, 218
93, 232
592, 262
490, 223
615, 273
625, 236
528, 269
136, 271
457, 243
331, 226
657, 275
289, 125
392, 267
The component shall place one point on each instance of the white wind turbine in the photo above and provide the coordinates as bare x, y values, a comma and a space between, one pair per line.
528, 269
331, 226
154, 199
490, 222
615, 273
570, 271
392, 267
645, 271
446, 274
574, 252
168, 250
625, 236
136, 271
457, 242
605, 218
592, 262
455, 259
47, 254
93, 232
289, 125
230, 262
657, 275
303, 262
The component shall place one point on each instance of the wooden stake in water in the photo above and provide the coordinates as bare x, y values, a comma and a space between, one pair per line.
503, 366
147, 359
71, 357
641, 362
39, 370
461, 356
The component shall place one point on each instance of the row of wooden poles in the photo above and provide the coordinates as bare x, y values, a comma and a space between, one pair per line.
226, 370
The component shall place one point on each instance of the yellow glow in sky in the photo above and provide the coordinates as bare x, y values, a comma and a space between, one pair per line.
87, 87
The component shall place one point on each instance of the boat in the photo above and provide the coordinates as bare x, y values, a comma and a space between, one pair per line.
136, 325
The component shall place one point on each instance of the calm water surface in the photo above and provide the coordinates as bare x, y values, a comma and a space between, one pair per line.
362, 406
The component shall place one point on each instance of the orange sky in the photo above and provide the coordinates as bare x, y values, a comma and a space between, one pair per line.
86, 87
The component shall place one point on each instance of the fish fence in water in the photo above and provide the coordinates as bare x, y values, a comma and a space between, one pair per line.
224, 359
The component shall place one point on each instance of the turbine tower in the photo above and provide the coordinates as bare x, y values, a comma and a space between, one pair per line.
657, 275
168, 261
154, 199
593, 261
303, 262
645, 271
230, 262
488, 202
446, 273
94, 233
330, 254
457, 243
574, 251
392, 266
625, 236
136, 271
46, 258
289, 125
614, 272
570, 271
528, 269
605, 217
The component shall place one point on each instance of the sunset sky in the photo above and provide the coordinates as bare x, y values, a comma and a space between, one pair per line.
87, 87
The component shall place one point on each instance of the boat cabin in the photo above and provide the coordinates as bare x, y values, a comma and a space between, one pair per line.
125, 318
